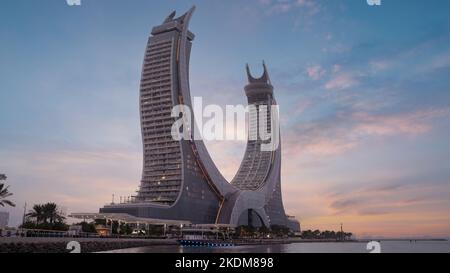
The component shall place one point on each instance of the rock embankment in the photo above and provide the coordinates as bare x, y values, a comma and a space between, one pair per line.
59, 245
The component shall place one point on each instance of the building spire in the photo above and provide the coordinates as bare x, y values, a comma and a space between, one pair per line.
184, 19
249, 74
170, 17
266, 73
263, 79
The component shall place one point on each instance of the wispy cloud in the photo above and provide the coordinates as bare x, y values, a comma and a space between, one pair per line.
315, 72
343, 132
282, 6
304, 10
342, 81
413, 123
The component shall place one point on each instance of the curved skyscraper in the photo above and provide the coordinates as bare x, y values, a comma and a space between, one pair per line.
180, 180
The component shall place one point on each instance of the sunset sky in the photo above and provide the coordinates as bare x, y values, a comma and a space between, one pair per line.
364, 95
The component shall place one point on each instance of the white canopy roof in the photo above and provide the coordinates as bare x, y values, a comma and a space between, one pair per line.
127, 218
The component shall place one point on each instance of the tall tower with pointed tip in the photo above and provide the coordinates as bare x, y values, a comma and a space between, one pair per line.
179, 179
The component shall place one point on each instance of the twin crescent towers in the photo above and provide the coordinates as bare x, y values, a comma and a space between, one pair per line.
180, 180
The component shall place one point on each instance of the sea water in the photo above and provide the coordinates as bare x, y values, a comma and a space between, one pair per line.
350, 247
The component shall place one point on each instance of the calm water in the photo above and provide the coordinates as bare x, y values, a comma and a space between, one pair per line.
386, 247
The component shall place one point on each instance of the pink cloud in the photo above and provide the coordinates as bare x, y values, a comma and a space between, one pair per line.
346, 133
413, 123
387, 210
315, 72
327, 147
342, 81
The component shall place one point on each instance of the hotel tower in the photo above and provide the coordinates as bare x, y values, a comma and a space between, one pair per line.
179, 179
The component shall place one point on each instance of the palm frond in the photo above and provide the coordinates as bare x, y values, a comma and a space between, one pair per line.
7, 202
5, 194
4, 191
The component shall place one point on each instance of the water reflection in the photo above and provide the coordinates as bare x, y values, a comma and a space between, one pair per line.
386, 247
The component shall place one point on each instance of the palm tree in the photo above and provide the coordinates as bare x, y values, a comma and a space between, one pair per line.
52, 213
316, 234
46, 214
4, 193
37, 213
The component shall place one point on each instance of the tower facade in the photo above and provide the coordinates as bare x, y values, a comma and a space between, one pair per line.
257, 163
179, 179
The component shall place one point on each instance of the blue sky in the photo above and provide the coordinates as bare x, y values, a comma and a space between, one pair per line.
364, 95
